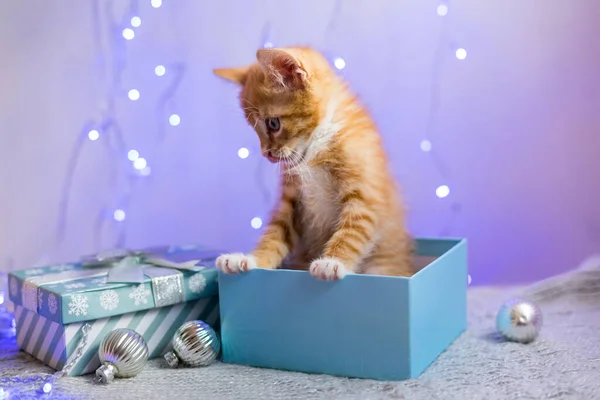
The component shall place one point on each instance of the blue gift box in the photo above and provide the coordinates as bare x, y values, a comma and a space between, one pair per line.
80, 291
174, 284
364, 326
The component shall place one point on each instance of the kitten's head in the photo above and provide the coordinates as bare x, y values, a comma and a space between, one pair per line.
282, 96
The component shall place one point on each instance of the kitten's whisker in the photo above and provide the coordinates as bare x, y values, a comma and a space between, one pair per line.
250, 103
291, 171
250, 110
293, 155
304, 173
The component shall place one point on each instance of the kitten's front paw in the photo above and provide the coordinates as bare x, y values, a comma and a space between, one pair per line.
236, 263
328, 269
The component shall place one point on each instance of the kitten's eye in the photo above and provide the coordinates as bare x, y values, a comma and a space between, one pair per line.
273, 124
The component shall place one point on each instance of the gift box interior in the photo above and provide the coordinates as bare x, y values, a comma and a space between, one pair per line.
364, 326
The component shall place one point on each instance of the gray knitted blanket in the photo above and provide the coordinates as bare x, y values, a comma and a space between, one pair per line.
564, 363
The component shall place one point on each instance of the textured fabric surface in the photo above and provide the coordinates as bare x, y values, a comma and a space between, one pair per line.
564, 363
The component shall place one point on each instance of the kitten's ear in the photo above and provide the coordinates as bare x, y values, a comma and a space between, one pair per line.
237, 75
285, 68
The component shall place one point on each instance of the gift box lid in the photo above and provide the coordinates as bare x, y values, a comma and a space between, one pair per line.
116, 282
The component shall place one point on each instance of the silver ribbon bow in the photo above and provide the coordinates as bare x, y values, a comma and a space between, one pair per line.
122, 266
130, 266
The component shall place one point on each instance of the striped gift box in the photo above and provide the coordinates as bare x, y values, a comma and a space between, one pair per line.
53, 343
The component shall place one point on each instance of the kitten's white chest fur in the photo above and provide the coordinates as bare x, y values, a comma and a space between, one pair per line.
319, 200
318, 193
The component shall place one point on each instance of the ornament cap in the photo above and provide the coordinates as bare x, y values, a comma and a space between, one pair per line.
172, 359
106, 372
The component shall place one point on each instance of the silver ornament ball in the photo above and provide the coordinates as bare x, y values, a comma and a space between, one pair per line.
194, 344
123, 353
519, 320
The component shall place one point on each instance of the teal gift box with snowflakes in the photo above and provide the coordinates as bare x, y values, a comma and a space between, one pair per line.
152, 291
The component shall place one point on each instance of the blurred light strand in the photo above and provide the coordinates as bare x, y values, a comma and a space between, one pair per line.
128, 165
443, 188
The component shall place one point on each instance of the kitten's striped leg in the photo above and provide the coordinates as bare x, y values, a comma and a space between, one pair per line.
275, 244
392, 257
350, 242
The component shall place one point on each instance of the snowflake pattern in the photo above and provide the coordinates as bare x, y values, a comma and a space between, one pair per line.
40, 299
14, 288
197, 283
30, 299
34, 271
62, 267
77, 285
100, 281
139, 295
78, 305
52, 303
109, 300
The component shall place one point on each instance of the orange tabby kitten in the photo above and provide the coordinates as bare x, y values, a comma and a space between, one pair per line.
339, 212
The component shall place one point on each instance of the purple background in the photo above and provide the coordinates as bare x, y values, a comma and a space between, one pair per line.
517, 131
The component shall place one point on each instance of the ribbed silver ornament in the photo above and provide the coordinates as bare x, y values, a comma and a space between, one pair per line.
123, 353
195, 344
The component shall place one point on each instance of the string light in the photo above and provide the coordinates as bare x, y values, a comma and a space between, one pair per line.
128, 33
339, 63
119, 215
174, 120
243, 153
26, 387
47, 388
160, 70
140, 163
133, 155
145, 171
93, 135
425, 145
133, 94
442, 10
136, 22
442, 191
256, 223
268, 45
113, 63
